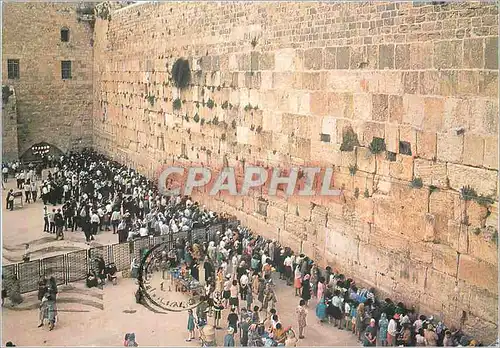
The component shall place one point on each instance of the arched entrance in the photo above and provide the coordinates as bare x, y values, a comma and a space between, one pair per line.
40, 152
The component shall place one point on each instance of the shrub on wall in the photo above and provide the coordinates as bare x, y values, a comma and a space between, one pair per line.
349, 140
181, 73
6, 93
177, 104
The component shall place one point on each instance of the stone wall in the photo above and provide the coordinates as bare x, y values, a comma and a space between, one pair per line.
286, 81
49, 109
9, 129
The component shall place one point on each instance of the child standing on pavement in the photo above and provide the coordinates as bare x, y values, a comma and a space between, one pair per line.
190, 325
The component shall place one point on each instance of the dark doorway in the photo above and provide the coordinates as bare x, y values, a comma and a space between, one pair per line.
40, 151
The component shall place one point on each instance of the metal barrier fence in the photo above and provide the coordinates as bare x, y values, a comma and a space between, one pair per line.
74, 266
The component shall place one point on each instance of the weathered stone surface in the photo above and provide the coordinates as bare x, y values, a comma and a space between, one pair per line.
396, 109
478, 273
448, 54
431, 173
473, 149
484, 181
491, 53
450, 147
445, 259
386, 57
433, 114
426, 145
491, 152
473, 53
313, 59
380, 108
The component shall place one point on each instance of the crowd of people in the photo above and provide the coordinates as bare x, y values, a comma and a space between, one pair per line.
235, 265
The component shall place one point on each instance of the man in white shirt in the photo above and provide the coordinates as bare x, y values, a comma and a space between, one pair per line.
95, 221
143, 231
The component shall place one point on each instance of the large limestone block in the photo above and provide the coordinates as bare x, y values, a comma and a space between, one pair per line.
413, 110
485, 120
490, 159
439, 287
483, 304
299, 125
340, 105
362, 106
365, 160
450, 147
421, 252
473, 149
402, 168
431, 173
457, 114
325, 153
283, 80
243, 134
341, 244
392, 137
319, 103
313, 59
444, 259
484, 181
409, 134
371, 130
483, 248
448, 54
300, 148
284, 59
426, 145
478, 273
433, 114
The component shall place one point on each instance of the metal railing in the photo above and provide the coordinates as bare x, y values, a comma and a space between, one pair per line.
74, 266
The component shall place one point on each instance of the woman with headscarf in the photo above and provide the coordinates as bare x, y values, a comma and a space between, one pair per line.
306, 289
321, 309
382, 329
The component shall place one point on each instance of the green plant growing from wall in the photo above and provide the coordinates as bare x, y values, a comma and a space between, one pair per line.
186, 118
247, 107
224, 105
356, 192
215, 121
485, 201
210, 103
256, 108
233, 124
202, 121
377, 145
177, 104
366, 193
230, 106
433, 188
252, 127
349, 140
416, 183
259, 129
151, 99
196, 118
476, 231
467, 193
353, 169
181, 73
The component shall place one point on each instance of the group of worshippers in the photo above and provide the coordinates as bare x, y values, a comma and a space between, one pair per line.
374, 322
98, 194
236, 269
